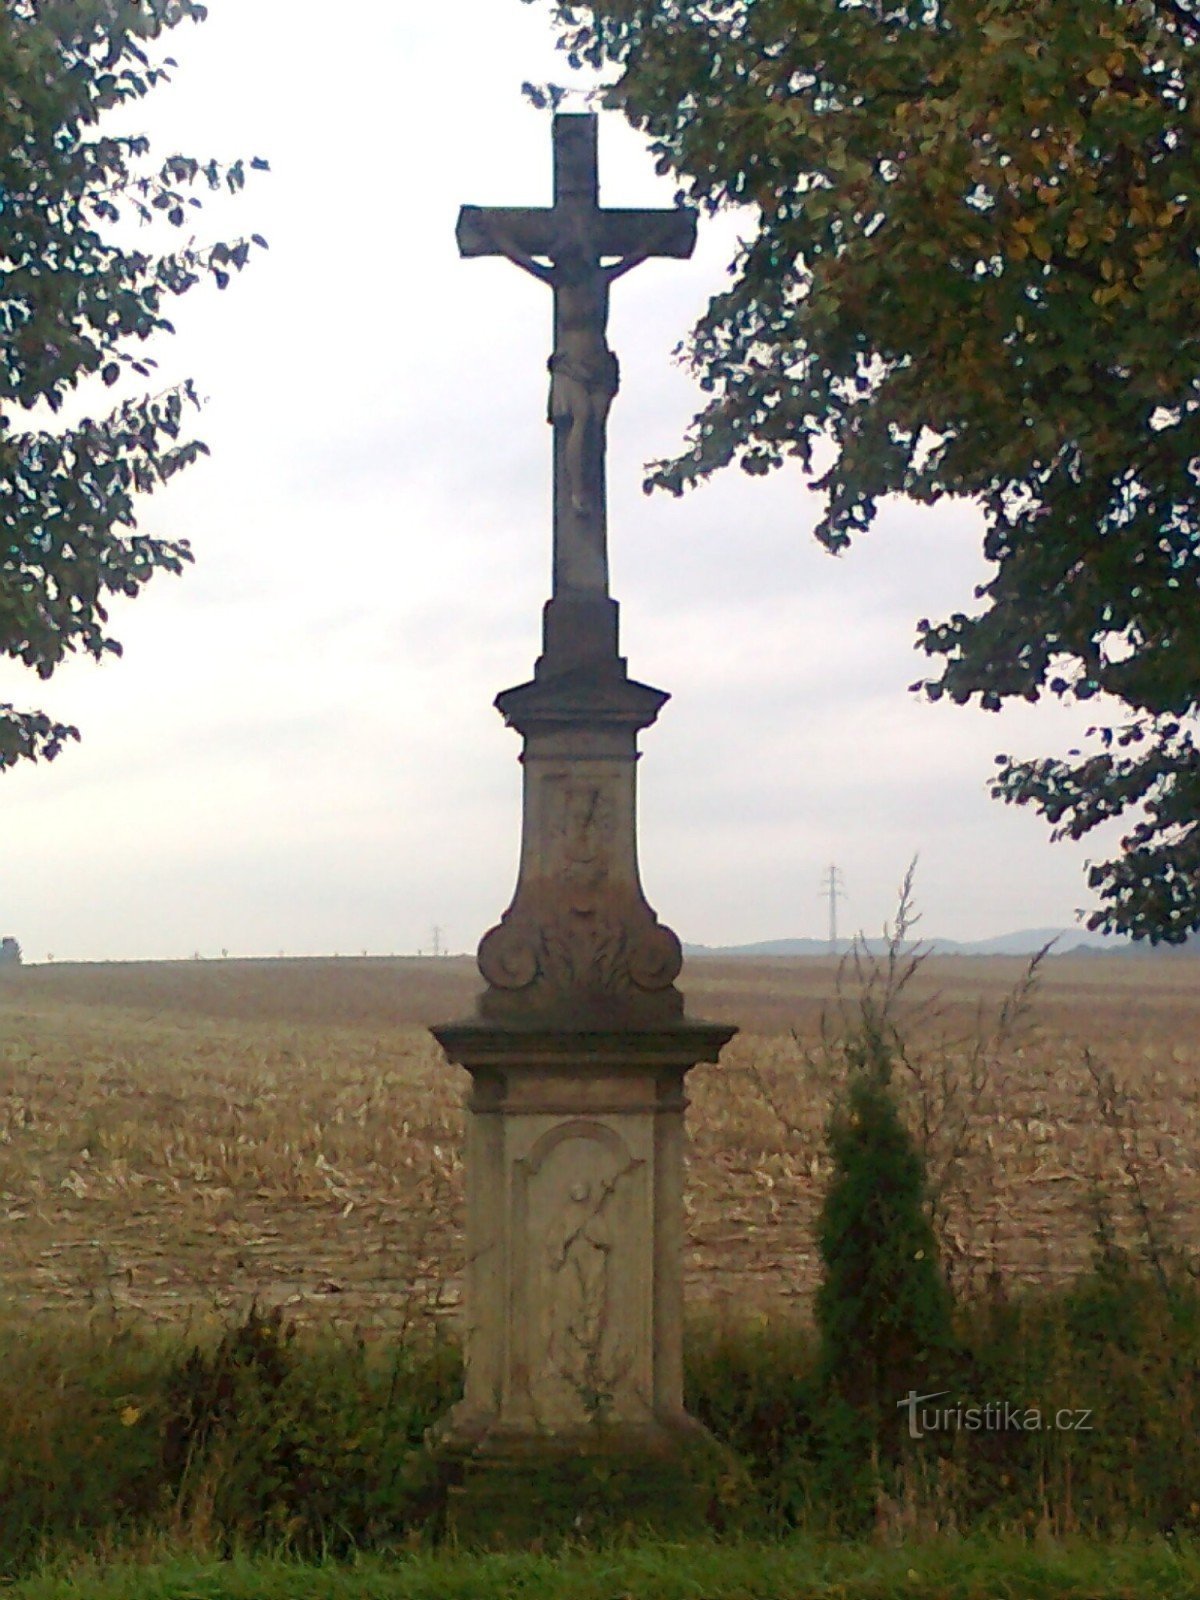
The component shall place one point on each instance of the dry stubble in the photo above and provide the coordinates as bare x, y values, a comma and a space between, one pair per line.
179, 1138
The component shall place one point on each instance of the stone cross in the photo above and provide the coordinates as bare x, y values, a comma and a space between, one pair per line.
578, 249
579, 1045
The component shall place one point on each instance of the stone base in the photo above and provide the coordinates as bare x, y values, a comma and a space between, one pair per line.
516, 1493
574, 1279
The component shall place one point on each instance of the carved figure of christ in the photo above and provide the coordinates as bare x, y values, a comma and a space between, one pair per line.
572, 248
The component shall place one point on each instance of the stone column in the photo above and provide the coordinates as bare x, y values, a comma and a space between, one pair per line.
577, 1053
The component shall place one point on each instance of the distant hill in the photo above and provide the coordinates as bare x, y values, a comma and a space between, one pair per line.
1027, 942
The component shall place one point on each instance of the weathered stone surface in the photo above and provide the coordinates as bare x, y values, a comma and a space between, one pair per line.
573, 1287
579, 942
510, 1500
579, 945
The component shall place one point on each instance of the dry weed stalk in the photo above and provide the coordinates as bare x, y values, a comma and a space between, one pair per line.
1119, 1113
955, 1085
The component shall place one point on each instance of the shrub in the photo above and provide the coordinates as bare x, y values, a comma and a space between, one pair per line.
316, 1449
883, 1311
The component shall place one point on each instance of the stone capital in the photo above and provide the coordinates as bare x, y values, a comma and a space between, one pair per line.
579, 946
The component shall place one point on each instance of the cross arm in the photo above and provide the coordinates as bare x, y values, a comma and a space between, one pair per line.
522, 232
648, 233
496, 230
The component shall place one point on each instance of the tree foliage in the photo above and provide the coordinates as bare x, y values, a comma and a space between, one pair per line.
75, 304
973, 273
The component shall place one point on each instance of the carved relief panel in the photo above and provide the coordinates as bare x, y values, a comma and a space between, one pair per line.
579, 921
581, 1315
581, 815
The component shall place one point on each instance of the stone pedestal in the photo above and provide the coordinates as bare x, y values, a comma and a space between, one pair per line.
572, 1416
574, 1235
578, 1054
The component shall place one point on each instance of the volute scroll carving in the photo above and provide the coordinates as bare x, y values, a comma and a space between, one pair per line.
655, 958
616, 949
507, 958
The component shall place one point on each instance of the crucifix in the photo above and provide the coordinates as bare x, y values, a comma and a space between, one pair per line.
578, 249
579, 1044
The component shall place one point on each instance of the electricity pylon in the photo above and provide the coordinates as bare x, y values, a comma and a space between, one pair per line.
833, 886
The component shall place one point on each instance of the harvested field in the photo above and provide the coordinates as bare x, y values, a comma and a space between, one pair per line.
178, 1138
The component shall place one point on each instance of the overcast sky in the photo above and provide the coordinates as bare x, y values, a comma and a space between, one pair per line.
298, 751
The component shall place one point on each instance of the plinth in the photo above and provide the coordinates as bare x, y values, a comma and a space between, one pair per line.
578, 1054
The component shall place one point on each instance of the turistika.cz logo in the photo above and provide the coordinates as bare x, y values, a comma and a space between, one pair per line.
996, 1416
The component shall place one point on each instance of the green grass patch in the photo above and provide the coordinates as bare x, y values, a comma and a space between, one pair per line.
969, 1569
252, 1436
258, 1440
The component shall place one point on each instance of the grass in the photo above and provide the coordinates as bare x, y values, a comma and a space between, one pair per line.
970, 1569
136, 1441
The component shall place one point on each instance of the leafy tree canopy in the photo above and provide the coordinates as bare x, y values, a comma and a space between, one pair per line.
974, 272
75, 304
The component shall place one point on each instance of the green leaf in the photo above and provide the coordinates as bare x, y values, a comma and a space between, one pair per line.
79, 300
990, 208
